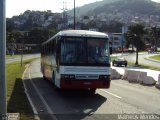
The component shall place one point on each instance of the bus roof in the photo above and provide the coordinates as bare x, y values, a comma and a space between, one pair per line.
84, 33
79, 33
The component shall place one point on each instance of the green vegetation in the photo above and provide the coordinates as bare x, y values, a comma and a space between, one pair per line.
16, 97
156, 57
113, 57
134, 38
14, 56
9, 56
144, 66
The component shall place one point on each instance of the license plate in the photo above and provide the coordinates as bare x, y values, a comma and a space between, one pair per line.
87, 83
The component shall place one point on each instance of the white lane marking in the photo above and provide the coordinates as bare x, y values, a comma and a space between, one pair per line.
111, 94
29, 99
43, 100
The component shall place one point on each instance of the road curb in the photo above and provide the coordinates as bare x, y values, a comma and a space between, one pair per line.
28, 97
152, 60
37, 114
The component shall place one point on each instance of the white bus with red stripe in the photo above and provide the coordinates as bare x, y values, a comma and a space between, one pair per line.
77, 59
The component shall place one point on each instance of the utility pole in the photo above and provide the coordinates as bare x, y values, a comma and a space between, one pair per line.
65, 19
74, 16
3, 111
22, 51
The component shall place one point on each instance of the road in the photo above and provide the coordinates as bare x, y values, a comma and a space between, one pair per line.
24, 57
121, 98
141, 59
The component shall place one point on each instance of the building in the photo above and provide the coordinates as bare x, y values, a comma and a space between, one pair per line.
117, 40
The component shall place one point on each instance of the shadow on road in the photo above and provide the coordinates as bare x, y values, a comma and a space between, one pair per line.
69, 104
18, 102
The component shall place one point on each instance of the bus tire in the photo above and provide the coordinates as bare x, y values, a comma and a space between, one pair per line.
53, 79
44, 77
53, 82
92, 90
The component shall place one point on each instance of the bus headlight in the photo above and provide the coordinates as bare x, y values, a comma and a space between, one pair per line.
66, 76
72, 76
103, 77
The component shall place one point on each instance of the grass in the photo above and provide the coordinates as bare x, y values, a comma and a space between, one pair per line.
156, 57
144, 66
9, 56
113, 57
17, 101
14, 56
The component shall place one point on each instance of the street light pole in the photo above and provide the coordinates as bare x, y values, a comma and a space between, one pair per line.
3, 110
135, 42
22, 51
74, 16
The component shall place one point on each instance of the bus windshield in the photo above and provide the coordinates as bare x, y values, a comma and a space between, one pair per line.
85, 51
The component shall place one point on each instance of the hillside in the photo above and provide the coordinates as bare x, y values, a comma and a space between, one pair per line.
120, 6
132, 6
89, 7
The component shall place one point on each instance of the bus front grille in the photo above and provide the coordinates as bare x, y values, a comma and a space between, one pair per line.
87, 76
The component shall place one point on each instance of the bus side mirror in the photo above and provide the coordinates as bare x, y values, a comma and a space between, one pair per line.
110, 47
110, 50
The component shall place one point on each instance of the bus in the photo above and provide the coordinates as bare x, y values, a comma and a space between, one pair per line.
77, 59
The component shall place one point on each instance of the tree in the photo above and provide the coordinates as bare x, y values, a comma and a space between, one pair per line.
155, 34
38, 35
134, 36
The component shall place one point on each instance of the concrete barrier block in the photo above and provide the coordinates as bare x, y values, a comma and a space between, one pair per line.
124, 77
115, 74
149, 81
158, 82
119, 76
133, 76
129, 74
142, 76
157, 85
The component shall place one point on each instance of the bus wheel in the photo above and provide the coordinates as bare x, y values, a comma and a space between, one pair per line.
53, 79
44, 78
92, 90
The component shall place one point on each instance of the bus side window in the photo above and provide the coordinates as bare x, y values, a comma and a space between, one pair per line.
50, 48
57, 49
43, 50
47, 49
53, 45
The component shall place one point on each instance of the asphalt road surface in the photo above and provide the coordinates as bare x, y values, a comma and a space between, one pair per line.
141, 59
24, 57
107, 104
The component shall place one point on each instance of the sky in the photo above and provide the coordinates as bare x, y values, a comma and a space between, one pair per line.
17, 7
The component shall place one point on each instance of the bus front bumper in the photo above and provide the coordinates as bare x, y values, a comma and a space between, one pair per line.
78, 84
